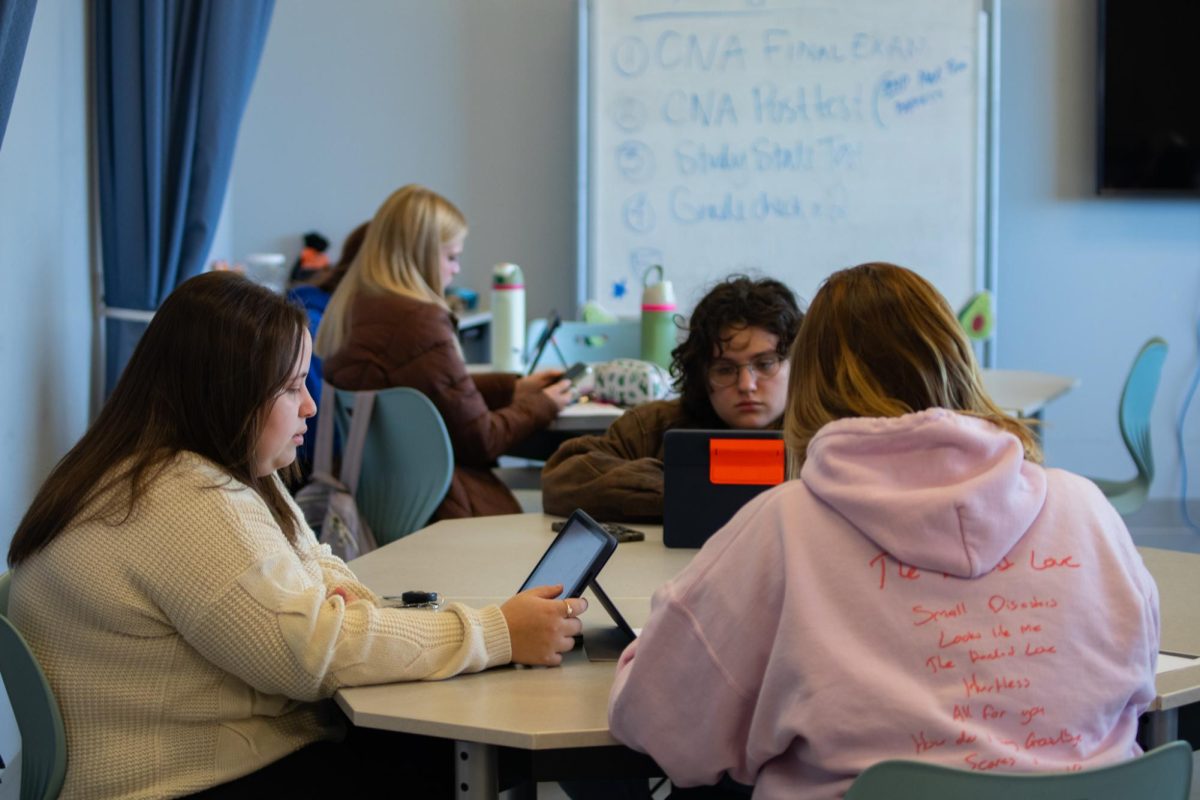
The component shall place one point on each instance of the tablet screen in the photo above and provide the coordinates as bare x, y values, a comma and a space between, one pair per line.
574, 557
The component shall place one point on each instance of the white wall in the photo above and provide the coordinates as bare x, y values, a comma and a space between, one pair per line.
1085, 280
473, 98
45, 309
338, 118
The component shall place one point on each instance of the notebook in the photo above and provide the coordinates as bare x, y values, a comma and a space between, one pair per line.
709, 475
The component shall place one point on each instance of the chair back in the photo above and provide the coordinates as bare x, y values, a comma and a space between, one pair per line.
407, 461
1137, 401
1164, 773
43, 738
588, 342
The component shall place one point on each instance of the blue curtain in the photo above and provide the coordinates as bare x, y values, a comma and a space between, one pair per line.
172, 80
16, 18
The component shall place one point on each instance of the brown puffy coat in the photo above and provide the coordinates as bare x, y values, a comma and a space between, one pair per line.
400, 341
616, 476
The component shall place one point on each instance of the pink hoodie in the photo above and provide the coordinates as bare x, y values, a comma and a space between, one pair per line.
923, 592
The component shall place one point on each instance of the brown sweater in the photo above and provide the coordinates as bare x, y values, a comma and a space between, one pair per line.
400, 341
617, 476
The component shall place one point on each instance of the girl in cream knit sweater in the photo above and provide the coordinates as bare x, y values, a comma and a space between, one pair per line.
189, 623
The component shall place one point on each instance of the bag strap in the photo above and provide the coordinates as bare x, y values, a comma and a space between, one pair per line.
323, 450
360, 422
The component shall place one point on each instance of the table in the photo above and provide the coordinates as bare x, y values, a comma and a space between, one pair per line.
575, 419
475, 335
485, 560
1025, 393
589, 417
555, 711
1178, 577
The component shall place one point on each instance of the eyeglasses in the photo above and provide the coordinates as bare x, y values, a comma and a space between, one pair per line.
722, 374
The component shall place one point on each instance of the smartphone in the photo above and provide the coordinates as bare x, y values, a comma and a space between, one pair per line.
619, 532
576, 372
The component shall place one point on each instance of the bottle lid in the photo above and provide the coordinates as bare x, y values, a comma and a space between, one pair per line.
659, 296
506, 277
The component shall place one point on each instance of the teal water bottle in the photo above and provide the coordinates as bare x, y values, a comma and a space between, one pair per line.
658, 317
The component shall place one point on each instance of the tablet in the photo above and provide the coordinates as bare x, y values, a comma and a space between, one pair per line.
709, 475
575, 557
552, 325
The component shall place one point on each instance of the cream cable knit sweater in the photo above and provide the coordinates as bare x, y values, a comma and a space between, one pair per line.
192, 644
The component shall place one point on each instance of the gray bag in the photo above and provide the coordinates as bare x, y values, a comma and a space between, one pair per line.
327, 502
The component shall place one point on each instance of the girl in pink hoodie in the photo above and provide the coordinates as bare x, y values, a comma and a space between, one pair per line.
925, 590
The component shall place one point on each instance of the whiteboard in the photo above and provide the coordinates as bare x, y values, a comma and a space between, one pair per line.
786, 138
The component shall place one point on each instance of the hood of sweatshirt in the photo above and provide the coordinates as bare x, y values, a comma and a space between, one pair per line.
936, 490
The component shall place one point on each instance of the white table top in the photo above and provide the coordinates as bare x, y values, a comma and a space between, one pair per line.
485, 560
589, 417
1025, 393
585, 417
472, 319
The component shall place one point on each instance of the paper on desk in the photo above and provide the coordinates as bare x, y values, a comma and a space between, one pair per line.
1169, 662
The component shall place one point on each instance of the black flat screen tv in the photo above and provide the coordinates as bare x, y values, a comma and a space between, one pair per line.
1148, 100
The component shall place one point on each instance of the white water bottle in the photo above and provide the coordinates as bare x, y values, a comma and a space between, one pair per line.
508, 318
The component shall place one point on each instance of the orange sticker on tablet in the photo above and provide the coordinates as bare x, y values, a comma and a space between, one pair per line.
756, 462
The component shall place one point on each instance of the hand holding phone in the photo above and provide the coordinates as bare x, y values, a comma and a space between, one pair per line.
576, 373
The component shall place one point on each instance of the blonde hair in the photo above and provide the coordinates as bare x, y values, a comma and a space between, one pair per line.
400, 254
879, 341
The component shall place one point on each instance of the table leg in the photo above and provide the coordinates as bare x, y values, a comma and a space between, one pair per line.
476, 775
1161, 727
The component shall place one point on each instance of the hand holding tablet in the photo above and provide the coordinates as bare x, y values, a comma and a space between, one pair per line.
539, 627
543, 618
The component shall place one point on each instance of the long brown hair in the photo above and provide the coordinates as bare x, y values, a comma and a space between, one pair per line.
880, 341
400, 254
202, 379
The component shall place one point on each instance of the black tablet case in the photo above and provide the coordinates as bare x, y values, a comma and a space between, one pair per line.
694, 508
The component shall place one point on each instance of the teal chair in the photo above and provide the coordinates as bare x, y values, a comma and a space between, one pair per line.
588, 342
1133, 416
407, 461
1164, 773
43, 738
